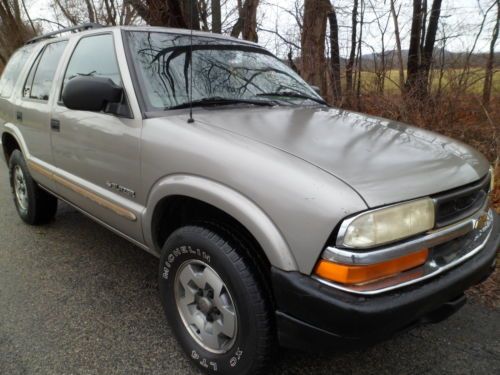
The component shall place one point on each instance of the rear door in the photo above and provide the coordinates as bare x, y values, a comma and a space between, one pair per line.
98, 154
9, 82
34, 108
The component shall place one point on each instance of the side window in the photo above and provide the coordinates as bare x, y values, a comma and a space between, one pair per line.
94, 56
12, 71
41, 75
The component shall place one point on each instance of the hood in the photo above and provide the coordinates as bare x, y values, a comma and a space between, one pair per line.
383, 160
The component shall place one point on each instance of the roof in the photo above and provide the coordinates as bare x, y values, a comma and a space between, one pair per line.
92, 28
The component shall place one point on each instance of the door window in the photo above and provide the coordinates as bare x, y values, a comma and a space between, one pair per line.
41, 75
94, 56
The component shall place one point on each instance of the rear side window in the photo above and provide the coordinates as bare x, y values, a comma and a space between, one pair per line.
41, 75
94, 56
13, 70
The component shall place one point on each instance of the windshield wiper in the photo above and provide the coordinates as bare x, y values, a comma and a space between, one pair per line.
219, 100
293, 94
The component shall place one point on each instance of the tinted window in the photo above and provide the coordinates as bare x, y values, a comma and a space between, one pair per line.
13, 69
94, 56
42, 72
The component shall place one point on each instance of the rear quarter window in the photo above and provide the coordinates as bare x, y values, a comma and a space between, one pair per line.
13, 70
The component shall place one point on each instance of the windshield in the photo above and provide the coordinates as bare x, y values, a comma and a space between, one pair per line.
223, 72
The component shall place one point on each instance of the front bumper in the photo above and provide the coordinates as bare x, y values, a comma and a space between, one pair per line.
311, 315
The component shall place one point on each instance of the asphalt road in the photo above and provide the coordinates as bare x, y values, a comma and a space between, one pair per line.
77, 299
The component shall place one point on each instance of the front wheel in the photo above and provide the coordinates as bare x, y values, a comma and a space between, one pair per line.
215, 301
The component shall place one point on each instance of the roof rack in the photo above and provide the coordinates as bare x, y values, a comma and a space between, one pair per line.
73, 29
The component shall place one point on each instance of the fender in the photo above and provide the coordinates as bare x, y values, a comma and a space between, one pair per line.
230, 201
14, 131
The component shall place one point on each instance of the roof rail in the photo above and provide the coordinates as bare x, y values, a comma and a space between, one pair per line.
73, 29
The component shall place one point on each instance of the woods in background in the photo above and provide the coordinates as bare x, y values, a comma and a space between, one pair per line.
407, 75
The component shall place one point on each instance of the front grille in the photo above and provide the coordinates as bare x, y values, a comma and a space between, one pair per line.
457, 204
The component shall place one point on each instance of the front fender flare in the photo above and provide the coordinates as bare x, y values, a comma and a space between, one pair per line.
231, 202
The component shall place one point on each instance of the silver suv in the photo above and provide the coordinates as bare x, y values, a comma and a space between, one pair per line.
276, 218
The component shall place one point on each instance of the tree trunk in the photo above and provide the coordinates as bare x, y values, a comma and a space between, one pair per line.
216, 17
313, 63
247, 21
90, 10
335, 56
169, 13
236, 30
430, 40
13, 27
488, 79
360, 55
398, 47
352, 55
414, 50
190, 13
420, 53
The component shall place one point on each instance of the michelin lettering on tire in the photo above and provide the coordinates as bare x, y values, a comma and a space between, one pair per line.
177, 252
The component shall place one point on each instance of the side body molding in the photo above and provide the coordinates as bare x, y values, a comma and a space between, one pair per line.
231, 202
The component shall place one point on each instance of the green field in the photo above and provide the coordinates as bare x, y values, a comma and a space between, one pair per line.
450, 80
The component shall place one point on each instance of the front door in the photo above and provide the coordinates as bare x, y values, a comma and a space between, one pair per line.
98, 154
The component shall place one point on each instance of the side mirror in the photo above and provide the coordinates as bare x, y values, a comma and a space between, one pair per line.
87, 93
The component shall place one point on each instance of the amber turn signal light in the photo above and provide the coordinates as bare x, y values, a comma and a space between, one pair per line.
348, 274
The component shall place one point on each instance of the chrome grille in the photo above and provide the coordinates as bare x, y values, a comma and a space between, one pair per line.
457, 204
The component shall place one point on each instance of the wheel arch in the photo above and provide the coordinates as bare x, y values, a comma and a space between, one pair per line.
9, 144
183, 199
12, 140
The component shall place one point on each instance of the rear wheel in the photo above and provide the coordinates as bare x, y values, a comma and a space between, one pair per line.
215, 301
34, 205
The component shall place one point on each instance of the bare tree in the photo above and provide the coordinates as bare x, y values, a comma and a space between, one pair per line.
464, 77
422, 40
414, 50
313, 63
246, 25
399, 54
28, 16
170, 13
105, 12
430, 40
13, 30
359, 56
488, 79
352, 55
216, 17
382, 24
335, 55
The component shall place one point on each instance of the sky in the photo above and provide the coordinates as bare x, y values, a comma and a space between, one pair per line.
460, 20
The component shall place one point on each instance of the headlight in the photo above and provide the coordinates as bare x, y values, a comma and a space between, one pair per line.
390, 224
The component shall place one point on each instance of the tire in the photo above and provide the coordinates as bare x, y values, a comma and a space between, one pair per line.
190, 258
34, 205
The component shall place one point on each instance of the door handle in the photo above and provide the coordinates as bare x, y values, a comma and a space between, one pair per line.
55, 125
19, 116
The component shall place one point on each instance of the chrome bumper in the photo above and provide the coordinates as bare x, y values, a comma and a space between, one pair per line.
449, 246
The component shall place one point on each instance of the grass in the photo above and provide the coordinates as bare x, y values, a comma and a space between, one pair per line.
473, 83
